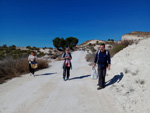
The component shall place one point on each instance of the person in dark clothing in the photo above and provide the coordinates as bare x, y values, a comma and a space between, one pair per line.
67, 64
104, 61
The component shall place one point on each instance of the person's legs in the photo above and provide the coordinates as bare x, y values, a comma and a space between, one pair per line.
33, 70
64, 72
100, 72
68, 72
103, 77
30, 69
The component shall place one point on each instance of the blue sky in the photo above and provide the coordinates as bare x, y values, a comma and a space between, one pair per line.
38, 22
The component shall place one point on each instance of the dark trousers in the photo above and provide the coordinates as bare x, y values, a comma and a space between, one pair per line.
66, 70
31, 69
101, 74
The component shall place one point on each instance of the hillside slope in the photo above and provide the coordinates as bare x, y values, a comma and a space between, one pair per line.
136, 35
131, 67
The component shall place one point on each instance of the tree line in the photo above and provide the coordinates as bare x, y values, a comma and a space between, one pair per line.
61, 43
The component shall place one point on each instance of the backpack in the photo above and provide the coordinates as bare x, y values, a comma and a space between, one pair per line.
99, 52
65, 54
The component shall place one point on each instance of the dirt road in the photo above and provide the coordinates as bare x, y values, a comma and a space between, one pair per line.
48, 93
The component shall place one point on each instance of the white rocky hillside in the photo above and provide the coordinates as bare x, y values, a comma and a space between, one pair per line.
130, 78
95, 43
136, 35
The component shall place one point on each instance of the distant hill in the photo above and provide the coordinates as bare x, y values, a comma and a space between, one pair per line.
136, 35
85, 42
92, 42
93, 45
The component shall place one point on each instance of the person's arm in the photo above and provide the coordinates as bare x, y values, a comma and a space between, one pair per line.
95, 60
63, 58
70, 57
109, 61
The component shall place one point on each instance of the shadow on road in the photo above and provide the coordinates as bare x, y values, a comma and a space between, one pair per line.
80, 77
116, 78
45, 74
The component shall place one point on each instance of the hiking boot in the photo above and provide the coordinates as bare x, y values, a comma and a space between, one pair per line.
64, 79
67, 78
99, 88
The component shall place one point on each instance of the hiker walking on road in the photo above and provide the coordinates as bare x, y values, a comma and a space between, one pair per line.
103, 59
32, 60
67, 64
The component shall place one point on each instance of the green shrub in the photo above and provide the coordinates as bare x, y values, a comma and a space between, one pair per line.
97, 42
90, 44
41, 54
50, 52
4, 46
29, 47
55, 51
118, 47
61, 43
13, 47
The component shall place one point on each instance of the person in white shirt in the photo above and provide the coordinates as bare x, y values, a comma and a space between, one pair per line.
32, 58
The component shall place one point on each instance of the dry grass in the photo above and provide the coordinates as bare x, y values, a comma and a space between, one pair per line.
10, 68
42, 64
90, 57
119, 46
55, 56
138, 33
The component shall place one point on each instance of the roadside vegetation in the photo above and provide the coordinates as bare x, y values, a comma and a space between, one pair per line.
13, 61
7, 51
10, 67
115, 48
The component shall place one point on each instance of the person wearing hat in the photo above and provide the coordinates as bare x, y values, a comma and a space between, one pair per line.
32, 59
